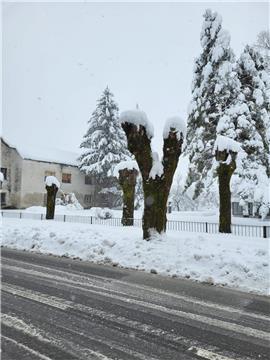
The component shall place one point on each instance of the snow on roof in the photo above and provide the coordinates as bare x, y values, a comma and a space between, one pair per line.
46, 154
129, 165
52, 180
176, 123
138, 117
49, 155
224, 143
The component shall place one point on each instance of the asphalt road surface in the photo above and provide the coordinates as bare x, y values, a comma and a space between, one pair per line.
62, 309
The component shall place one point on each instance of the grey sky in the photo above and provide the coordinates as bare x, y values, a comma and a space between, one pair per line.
58, 58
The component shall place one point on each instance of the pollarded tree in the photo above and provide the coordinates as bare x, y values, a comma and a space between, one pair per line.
127, 172
156, 175
104, 143
52, 185
226, 150
214, 87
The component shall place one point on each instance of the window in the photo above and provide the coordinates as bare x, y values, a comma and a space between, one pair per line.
49, 173
66, 178
88, 180
237, 209
87, 199
3, 199
4, 172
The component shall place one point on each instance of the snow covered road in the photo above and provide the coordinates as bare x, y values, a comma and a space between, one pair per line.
61, 309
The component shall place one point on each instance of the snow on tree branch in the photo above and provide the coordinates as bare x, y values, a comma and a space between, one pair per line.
138, 117
224, 143
174, 124
125, 165
52, 180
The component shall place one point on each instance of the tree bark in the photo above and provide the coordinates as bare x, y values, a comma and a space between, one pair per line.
127, 180
51, 195
156, 191
225, 172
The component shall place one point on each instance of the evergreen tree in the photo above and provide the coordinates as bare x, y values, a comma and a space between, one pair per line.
104, 143
214, 88
252, 122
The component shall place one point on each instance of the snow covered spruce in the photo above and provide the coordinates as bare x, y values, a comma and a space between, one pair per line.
52, 185
104, 146
127, 172
156, 175
231, 99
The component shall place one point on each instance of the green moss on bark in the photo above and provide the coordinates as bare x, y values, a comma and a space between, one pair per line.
51, 195
225, 172
127, 180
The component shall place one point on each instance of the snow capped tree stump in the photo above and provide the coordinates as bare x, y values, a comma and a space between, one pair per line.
52, 185
226, 151
157, 175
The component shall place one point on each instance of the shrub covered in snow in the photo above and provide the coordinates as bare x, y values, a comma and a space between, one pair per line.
102, 213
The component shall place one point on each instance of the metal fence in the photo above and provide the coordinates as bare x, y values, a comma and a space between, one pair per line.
262, 231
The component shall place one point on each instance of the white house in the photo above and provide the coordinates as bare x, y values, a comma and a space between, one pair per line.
24, 171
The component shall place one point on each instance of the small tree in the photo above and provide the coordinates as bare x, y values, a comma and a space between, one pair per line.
127, 172
226, 151
157, 175
52, 185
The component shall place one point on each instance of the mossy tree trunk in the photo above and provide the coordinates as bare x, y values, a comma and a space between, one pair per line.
156, 191
51, 195
225, 171
127, 180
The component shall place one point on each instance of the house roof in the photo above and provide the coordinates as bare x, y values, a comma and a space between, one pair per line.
46, 154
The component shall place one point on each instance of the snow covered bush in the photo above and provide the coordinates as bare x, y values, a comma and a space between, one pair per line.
102, 213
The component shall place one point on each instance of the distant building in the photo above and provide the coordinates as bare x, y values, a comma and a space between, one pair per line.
249, 210
24, 172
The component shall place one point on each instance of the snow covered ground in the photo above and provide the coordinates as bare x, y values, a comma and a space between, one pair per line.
210, 216
220, 259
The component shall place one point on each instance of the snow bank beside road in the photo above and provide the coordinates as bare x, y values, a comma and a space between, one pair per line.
218, 259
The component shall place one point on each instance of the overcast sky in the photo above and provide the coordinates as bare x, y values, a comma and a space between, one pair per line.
59, 57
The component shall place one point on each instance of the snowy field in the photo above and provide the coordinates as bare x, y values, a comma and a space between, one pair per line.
226, 260
210, 216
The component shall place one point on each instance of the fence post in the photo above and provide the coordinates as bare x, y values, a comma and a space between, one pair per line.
64, 217
2, 213
264, 232
206, 227
20, 215
91, 220
41, 216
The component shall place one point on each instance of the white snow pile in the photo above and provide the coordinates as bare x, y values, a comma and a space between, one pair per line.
51, 180
220, 259
102, 213
177, 124
137, 117
1, 176
128, 165
157, 167
70, 201
224, 143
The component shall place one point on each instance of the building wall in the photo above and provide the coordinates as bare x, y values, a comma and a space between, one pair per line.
11, 187
33, 190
